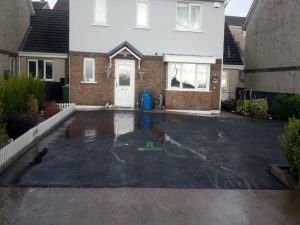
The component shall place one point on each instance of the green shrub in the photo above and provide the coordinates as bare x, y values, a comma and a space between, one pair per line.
16, 92
285, 107
290, 145
295, 106
259, 108
33, 105
247, 104
243, 106
240, 106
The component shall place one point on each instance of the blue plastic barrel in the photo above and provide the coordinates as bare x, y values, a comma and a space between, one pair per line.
146, 103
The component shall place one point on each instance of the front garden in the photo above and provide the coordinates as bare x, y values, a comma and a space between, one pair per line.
282, 107
22, 106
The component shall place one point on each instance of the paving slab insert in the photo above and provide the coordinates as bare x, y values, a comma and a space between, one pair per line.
152, 150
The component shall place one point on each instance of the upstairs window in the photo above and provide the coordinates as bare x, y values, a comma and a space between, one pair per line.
100, 12
142, 15
188, 16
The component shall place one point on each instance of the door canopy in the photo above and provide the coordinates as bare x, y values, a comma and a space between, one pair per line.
125, 48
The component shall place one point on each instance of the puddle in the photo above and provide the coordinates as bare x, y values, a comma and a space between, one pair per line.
38, 159
138, 149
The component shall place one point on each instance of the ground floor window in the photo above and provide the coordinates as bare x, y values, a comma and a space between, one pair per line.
224, 83
12, 65
42, 69
188, 76
89, 70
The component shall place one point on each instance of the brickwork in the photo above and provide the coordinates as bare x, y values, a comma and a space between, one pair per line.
190, 100
154, 79
103, 91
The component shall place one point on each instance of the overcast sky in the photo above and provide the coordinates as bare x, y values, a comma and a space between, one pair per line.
234, 8
238, 7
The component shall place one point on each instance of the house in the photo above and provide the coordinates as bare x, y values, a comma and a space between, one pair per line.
235, 24
42, 4
232, 66
14, 23
174, 48
44, 50
273, 47
62, 5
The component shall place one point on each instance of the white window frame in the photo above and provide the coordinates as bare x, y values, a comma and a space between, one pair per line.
147, 26
190, 4
12, 65
100, 23
225, 75
207, 89
85, 80
45, 61
37, 68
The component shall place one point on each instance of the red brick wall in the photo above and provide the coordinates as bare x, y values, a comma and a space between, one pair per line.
154, 79
90, 94
216, 70
103, 92
190, 100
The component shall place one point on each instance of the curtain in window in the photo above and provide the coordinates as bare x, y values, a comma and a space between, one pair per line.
182, 15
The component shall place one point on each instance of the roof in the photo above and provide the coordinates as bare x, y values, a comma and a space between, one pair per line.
48, 32
235, 21
231, 52
128, 46
253, 6
39, 5
62, 5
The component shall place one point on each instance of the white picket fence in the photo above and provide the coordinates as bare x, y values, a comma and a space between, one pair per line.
64, 105
8, 153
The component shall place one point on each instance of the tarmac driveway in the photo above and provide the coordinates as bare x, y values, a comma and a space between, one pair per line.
152, 150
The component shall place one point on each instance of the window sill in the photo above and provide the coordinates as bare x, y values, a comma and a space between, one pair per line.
100, 24
89, 82
142, 28
188, 30
47, 80
186, 90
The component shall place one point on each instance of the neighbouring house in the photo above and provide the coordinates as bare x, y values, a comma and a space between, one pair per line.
273, 47
61, 5
42, 4
235, 25
14, 23
174, 48
232, 66
44, 51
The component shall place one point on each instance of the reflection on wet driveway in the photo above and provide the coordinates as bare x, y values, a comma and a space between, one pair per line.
136, 149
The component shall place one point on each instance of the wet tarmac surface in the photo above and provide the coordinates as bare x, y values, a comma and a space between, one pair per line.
136, 206
152, 150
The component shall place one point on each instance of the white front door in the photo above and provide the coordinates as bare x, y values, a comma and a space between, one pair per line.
124, 83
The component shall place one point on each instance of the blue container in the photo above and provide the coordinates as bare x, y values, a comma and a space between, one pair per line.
146, 103
145, 120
